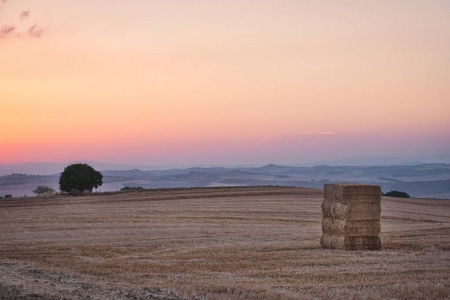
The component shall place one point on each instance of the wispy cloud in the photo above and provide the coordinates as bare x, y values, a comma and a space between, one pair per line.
25, 14
12, 30
6, 30
266, 140
35, 31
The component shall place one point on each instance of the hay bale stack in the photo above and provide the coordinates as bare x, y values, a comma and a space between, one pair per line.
351, 216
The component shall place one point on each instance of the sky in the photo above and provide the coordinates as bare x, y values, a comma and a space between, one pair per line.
190, 82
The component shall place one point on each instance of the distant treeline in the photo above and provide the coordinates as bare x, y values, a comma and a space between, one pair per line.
396, 194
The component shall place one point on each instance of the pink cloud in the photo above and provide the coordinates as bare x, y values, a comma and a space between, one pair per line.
35, 31
25, 14
6, 30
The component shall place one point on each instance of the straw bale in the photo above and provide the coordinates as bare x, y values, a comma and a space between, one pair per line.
356, 211
333, 226
350, 243
327, 225
350, 192
325, 240
351, 227
353, 211
331, 241
326, 209
351, 216
353, 199
354, 228
362, 243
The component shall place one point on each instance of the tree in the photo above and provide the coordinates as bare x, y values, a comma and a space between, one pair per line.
42, 189
397, 194
77, 178
128, 188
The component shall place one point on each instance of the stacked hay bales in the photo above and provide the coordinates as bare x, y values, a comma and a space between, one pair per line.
351, 216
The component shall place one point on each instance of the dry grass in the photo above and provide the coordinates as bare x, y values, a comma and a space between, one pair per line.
222, 243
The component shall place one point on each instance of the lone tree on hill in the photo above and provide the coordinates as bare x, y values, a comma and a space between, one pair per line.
77, 178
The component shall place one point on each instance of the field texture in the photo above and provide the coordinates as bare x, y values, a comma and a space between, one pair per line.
215, 243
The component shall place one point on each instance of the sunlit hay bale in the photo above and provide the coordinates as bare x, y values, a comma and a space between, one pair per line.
352, 210
362, 228
356, 211
350, 242
351, 216
356, 227
333, 226
325, 240
327, 209
351, 192
361, 243
332, 241
327, 225
340, 227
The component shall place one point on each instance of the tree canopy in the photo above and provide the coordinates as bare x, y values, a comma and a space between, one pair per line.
77, 178
42, 189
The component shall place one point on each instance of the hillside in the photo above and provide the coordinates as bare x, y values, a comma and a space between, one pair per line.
421, 180
215, 243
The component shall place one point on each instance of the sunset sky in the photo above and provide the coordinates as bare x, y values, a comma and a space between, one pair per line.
223, 82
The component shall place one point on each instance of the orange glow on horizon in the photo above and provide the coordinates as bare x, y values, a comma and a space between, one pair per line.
160, 78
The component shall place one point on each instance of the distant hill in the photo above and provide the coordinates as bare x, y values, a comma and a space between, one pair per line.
52, 168
421, 180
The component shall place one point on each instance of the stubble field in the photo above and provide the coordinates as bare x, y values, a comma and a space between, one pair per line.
215, 243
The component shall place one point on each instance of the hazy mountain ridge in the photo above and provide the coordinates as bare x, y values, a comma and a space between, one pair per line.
52, 168
421, 180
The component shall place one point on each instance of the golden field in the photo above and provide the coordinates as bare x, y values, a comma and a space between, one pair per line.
215, 243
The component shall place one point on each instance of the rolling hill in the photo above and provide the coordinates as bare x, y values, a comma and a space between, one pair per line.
421, 180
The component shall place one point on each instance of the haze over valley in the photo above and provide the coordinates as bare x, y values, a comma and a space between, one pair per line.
418, 180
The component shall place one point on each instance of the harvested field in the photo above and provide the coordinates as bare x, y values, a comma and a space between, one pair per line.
215, 243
